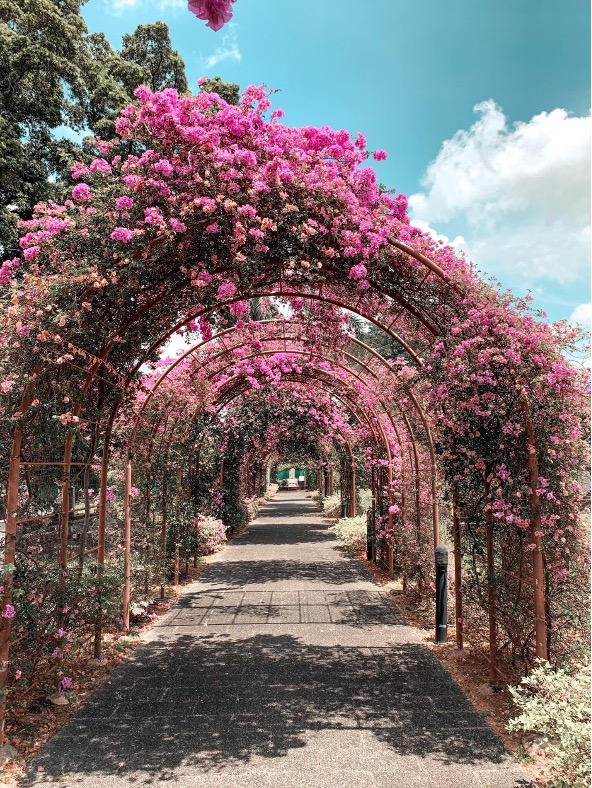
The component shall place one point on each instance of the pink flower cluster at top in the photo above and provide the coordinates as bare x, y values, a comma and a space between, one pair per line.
215, 13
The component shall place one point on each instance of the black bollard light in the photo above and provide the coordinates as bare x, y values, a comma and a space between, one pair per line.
441, 594
369, 536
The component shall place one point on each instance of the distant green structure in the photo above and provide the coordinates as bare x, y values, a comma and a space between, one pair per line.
308, 482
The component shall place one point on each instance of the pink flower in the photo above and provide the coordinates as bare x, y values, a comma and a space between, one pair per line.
31, 252
82, 192
8, 269
357, 272
213, 228
214, 12
18, 674
177, 226
100, 165
123, 234
226, 290
202, 81
124, 203
379, 155
8, 612
66, 682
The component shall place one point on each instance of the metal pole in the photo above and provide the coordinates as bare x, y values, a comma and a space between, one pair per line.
493, 674
178, 509
536, 528
370, 518
98, 645
127, 545
163, 534
9, 556
458, 600
441, 593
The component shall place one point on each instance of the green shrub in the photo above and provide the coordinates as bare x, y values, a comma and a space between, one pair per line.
352, 532
556, 705
364, 500
332, 505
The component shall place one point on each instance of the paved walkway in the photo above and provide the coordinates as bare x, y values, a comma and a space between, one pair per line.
285, 666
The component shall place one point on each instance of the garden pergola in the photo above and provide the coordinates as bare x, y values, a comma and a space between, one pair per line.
201, 207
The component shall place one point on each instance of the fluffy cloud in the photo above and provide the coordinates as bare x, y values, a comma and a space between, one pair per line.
520, 194
118, 6
582, 314
228, 49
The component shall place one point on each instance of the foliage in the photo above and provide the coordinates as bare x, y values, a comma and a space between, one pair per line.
211, 535
556, 705
352, 532
56, 75
54, 621
332, 505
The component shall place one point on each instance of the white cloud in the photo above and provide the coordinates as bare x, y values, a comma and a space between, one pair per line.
582, 314
121, 5
228, 49
519, 193
458, 242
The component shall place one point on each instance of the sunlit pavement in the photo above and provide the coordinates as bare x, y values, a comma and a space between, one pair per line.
284, 665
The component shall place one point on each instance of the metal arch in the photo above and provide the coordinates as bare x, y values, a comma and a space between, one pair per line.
355, 360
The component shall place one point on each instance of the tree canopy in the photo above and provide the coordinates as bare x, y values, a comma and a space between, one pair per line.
57, 79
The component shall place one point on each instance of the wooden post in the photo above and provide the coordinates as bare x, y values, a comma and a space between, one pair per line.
458, 600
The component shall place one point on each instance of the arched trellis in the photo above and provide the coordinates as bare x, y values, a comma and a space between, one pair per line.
397, 286
283, 336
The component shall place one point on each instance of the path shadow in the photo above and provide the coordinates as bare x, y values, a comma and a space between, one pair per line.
210, 702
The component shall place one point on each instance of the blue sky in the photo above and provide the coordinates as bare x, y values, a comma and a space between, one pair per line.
508, 183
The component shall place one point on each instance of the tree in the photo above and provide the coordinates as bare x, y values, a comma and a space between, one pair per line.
54, 73
160, 66
229, 91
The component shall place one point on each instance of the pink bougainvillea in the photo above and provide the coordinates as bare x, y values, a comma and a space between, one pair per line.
216, 13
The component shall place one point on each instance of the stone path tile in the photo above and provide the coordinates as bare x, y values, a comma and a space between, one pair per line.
283, 666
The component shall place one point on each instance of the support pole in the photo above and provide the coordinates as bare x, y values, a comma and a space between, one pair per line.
98, 644
491, 595
9, 556
352, 502
370, 519
127, 545
163, 535
458, 600
178, 512
536, 530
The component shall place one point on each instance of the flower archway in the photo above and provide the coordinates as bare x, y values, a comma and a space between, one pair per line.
198, 211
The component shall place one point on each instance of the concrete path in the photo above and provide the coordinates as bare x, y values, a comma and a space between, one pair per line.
285, 666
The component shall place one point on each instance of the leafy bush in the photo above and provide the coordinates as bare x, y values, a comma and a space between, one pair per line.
271, 491
364, 500
352, 532
332, 505
556, 705
211, 534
